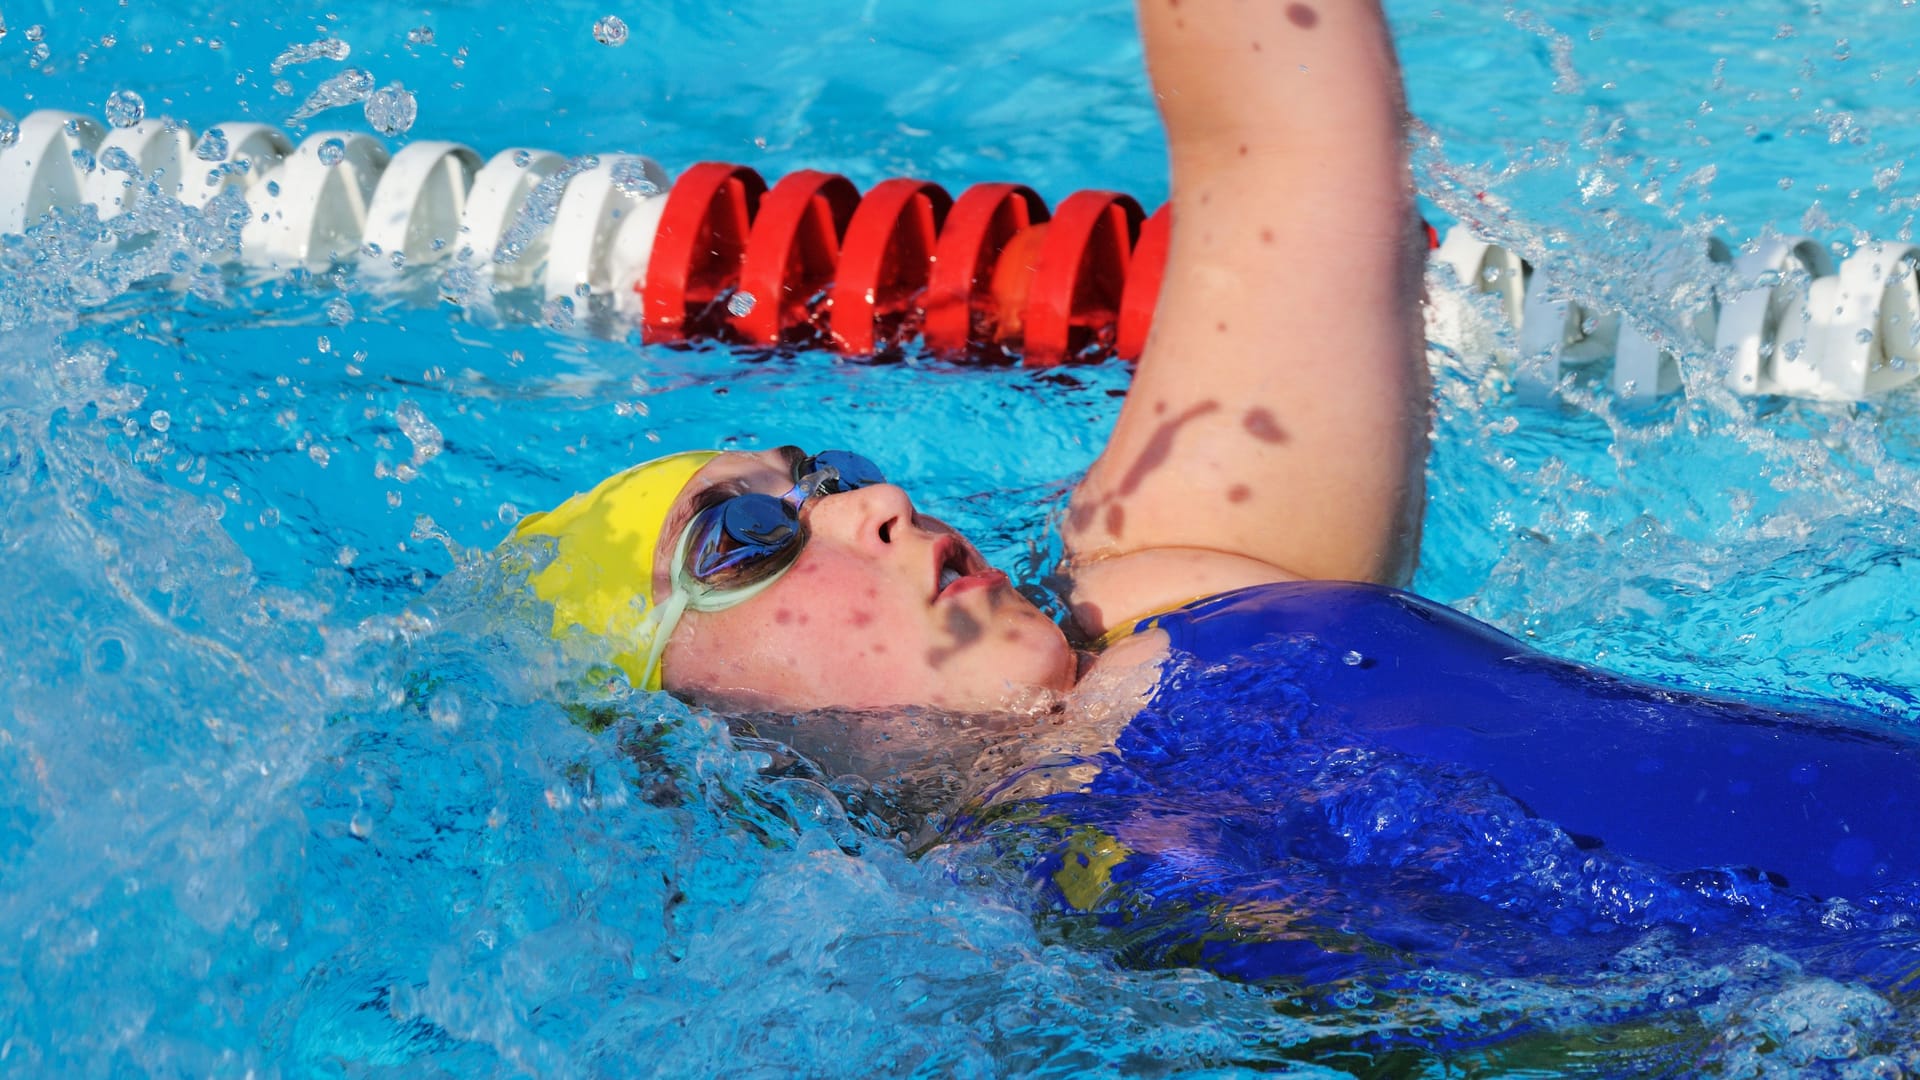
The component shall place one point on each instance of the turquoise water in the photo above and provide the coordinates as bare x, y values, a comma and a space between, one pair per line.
281, 792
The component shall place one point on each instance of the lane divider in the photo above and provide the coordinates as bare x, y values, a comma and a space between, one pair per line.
992, 274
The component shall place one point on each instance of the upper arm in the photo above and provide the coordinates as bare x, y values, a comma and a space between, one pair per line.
1278, 417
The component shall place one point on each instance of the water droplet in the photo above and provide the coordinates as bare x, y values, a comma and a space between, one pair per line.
522, 159
630, 176
125, 108
339, 311
117, 159
740, 304
83, 159
558, 313
9, 132
160, 421
273, 188
610, 31
212, 145
391, 110
420, 35
1864, 337
331, 151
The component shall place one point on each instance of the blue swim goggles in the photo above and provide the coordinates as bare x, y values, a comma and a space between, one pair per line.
733, 549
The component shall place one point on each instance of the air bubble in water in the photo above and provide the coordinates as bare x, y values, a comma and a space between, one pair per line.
610, 31
83, 159
36, 32
391, 110
9, 132
630, 176
125, 108
331, 151
740, 303
339, 311
212, 145
1353, 659
558, 313
160, 421
420, 35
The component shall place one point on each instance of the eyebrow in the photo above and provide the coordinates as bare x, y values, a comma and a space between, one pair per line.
793, 456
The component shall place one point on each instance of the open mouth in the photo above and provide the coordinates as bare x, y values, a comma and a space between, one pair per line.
958, 569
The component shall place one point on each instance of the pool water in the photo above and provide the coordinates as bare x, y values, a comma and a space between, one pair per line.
282, 792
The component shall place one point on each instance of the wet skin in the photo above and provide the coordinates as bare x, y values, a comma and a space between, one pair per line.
861, 619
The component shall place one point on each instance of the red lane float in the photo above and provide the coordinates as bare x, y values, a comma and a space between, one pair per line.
1143, 285
697, 250
990, 275
1074, 299
792, 255
886, 263
962, 314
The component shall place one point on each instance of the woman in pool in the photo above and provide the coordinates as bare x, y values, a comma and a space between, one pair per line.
1260, 493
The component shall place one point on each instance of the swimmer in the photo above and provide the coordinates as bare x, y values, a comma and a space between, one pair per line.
1242, 538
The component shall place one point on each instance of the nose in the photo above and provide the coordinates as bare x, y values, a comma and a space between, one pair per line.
870, 516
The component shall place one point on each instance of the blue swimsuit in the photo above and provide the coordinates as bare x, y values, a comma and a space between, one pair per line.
1332, 778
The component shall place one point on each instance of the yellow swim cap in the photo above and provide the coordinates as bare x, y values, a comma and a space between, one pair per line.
600, 581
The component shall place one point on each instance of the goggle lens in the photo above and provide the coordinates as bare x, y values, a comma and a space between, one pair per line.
748, 538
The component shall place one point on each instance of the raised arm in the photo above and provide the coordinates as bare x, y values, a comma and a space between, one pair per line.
1277, 425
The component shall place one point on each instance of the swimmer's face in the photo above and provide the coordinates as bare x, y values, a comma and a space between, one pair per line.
860, 620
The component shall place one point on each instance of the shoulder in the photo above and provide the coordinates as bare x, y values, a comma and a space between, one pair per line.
1112, 593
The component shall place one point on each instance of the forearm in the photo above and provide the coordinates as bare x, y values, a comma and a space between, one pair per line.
1234, 77
1279, 413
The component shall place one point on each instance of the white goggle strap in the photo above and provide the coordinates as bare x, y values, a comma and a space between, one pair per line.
665, 616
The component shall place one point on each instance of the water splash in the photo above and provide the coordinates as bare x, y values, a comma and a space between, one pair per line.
308, 52
348, 87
